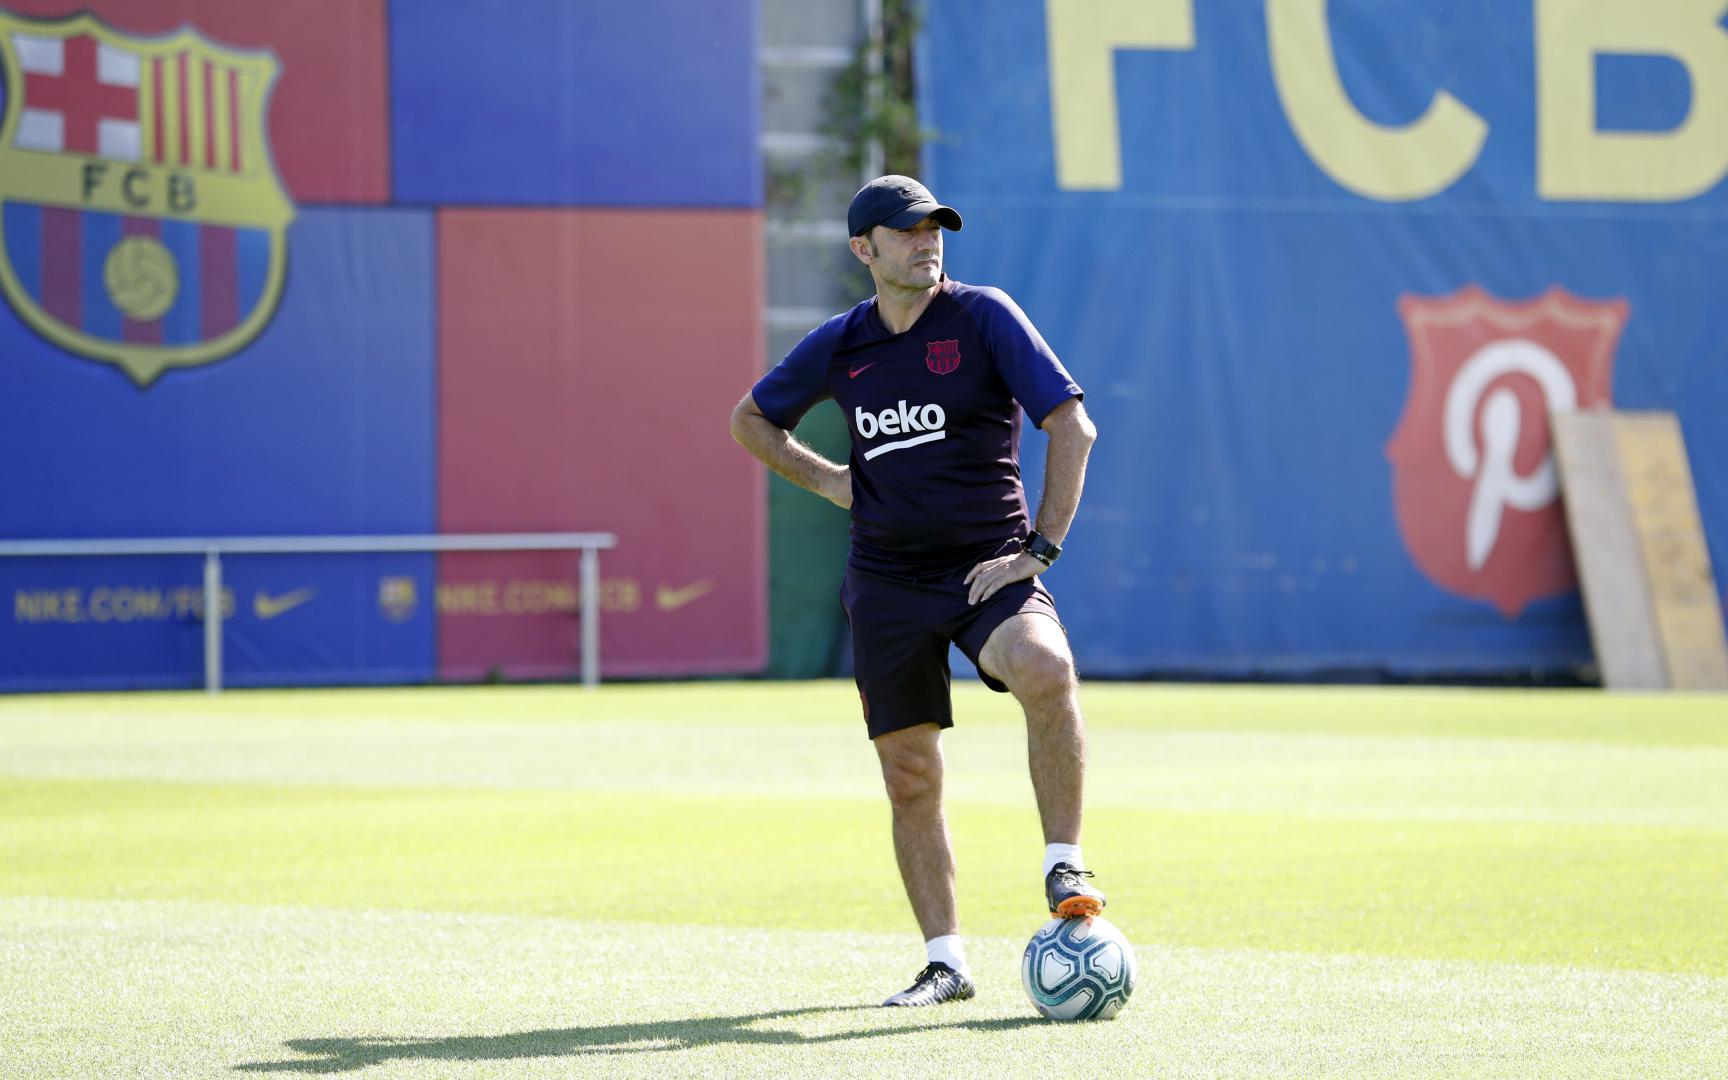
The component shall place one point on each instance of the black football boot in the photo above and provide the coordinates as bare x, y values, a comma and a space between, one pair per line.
934, 985
1069, 895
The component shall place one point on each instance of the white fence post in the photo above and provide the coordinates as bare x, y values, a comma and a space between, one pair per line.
590, 581
213, 621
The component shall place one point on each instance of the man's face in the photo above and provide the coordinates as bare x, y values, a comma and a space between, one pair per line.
907, 258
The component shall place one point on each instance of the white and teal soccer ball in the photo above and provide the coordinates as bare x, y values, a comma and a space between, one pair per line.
1078, 969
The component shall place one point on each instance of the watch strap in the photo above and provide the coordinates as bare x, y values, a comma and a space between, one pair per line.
1042, 549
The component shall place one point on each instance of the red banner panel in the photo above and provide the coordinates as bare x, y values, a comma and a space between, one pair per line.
589, 360
328, 110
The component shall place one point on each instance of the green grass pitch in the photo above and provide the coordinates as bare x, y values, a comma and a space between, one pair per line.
696, 880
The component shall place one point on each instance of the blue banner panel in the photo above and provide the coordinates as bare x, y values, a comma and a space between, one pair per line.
321, 619
1323, 278
324, 424
136, 623
102, 624
652, 103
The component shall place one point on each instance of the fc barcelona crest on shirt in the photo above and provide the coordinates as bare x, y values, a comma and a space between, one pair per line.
142, 222
942, 356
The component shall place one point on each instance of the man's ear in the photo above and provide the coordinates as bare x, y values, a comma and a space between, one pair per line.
861, 248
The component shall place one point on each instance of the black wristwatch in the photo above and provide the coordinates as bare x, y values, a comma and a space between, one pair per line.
1041, 549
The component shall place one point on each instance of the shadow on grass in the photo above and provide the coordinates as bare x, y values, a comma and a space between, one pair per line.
344, 1055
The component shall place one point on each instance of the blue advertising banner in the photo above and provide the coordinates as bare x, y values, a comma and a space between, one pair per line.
137, 623
324, 424
547, 102
1324, 270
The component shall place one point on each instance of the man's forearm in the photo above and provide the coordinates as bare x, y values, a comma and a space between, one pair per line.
776, 448
1071, 437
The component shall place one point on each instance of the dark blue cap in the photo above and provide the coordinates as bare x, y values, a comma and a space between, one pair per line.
898, 202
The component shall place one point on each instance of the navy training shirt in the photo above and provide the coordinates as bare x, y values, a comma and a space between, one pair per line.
934, 415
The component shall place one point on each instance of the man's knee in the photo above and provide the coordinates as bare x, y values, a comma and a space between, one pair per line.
1039, 671
911, 771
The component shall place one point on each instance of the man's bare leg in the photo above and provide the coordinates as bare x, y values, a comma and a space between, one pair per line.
1029, 653
912, 772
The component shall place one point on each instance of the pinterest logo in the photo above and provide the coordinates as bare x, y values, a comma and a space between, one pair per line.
1474, 482
1489, 465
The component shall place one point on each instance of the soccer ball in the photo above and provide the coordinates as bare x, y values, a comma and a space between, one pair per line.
1078, 969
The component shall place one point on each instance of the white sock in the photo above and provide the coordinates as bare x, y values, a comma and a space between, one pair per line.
947, 949
1068, 853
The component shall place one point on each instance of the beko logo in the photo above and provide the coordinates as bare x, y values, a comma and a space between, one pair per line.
903, 419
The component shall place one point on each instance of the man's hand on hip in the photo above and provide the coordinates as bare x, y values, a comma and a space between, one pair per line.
991, 574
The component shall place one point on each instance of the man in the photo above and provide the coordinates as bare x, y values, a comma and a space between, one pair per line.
932, 376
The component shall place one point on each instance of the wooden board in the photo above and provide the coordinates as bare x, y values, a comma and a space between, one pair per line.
1676, 560
1605, 546
1638, 539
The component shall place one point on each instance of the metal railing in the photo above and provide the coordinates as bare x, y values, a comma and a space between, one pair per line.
213, 548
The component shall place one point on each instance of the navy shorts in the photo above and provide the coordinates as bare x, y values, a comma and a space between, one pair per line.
900, 635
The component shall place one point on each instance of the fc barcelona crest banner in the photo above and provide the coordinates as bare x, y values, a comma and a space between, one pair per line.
252, 289
142, 221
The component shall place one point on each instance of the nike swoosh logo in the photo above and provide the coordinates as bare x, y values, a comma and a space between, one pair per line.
667, 599
857, 371
266, 606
